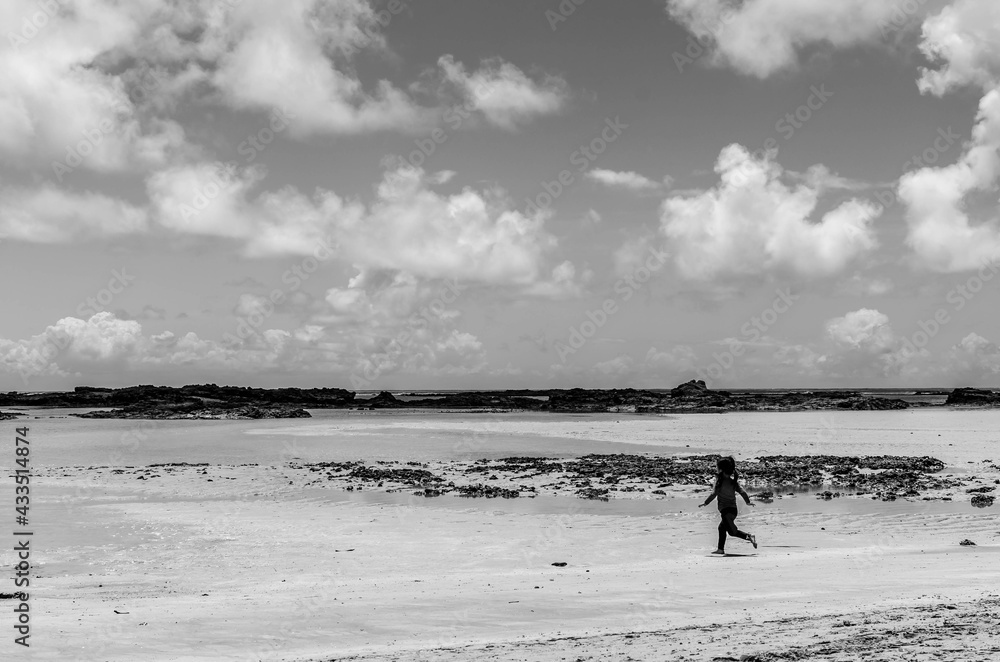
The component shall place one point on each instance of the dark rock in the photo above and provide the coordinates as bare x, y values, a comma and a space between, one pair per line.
973, 396
694, 388
487, 491
383, 400
967, 543
982, 500
187, 412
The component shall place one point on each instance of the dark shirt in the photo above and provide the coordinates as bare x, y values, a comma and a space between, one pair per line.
726, 489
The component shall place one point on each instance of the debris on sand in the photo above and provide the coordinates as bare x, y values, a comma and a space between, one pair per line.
967, 543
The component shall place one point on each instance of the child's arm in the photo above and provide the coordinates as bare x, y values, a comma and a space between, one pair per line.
715, 493
739, 488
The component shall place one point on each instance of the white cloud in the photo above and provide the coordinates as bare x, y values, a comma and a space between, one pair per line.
942, 229
964, 37
279, 55
504, 94
47, 214
752, 222
629, 180
562, 284
763, 37
65, 96
409, 227
864, 328
104, 344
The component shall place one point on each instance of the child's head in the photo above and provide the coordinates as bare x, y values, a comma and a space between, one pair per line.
727, 466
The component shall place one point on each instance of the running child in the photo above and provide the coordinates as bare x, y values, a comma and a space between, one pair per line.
727, 486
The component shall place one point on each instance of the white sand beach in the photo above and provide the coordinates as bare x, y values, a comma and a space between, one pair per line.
245, 561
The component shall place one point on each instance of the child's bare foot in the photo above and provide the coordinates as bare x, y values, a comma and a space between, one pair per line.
719, 551
753, 539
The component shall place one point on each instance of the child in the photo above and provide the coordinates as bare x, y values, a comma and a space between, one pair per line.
726, 487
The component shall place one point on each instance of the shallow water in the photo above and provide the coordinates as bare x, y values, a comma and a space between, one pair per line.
955, 436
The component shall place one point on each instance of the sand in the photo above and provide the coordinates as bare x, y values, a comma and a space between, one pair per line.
256, 565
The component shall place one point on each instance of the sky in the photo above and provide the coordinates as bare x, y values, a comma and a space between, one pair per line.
474, 194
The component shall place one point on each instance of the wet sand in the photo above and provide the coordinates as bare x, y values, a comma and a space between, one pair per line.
251, 562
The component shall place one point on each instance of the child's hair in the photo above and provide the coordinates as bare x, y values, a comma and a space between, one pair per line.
727, 467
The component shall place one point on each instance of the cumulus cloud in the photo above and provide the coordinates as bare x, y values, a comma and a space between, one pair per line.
46, 214
964, 38
762, 37
943, 229
65, 96
470, 235
864, 328
628, 180
278, 54
503, 93
753, 222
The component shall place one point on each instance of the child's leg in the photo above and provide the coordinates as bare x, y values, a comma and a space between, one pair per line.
729, 521
722, 533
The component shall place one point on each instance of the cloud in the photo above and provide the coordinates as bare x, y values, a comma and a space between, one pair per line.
762, 37
630, 180
974, 361
964, 37
46, 214
942, 230
67, 95
202, 199
752, 223
864, 328
283, 55
107, 347
504, 94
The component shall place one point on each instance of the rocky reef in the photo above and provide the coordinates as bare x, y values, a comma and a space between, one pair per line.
691, 397
239, 412
206, 395
601, 477
973, 396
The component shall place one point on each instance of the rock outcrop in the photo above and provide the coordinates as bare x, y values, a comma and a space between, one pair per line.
973, 396
207, 413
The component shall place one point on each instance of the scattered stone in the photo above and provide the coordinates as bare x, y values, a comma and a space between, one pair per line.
560, 564
967, 543
982, 500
